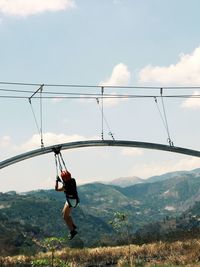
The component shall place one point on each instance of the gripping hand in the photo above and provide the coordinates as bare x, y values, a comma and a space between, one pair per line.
58, 179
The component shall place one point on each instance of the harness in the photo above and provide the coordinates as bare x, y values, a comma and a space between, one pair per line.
69, 186
71, 192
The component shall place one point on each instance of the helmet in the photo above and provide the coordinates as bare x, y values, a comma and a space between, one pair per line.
66, 175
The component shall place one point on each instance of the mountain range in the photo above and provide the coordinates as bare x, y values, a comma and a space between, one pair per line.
126, 181
132, 180
37, 214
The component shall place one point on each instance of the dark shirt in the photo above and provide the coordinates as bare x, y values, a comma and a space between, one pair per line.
70, 189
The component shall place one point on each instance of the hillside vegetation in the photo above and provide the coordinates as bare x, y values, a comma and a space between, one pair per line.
151, 255
165, 210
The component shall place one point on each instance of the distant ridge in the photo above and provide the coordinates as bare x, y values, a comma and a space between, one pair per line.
176, 174
126, 181
133, 180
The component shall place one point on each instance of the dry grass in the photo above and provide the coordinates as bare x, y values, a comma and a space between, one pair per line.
156, 254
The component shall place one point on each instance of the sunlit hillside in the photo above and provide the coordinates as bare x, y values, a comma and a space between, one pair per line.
154, 254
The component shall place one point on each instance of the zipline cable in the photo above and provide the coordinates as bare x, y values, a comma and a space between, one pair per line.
95, 96
75, 95
98, 86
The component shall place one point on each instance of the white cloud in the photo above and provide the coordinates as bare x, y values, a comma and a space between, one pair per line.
189, 163
131, 151
25, 8
49, 139
155, 168
192, 102
120, 76
185, 72
113, 100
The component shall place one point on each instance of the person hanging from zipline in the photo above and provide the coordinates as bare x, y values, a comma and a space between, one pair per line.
70, 189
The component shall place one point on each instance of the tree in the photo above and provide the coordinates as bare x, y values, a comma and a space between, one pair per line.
51, 244
121, 225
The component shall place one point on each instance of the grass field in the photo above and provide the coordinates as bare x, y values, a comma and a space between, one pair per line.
149, 255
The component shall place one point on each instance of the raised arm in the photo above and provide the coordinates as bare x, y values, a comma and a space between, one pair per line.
57, 186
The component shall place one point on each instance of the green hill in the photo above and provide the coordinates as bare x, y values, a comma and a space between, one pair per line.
37, 214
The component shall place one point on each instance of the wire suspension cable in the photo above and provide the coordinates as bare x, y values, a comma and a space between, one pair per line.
160, 113
97, 86
75, 95
163, 120
39, 89
105, 96
35, 119
40, 130
102, 120
41, 119
105, 120
165, 117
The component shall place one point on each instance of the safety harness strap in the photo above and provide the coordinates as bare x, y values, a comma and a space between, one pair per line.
70, 204
59, 161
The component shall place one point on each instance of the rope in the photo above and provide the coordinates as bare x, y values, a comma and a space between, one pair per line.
103, 119
41, 122
59, 159
110, 133
56, 163
57, 175
40, 131
164, 118
34, 116
62, 161
160, 113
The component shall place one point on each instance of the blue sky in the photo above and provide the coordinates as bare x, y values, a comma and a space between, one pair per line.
107, 42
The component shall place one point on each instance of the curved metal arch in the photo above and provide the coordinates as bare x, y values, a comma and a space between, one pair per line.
92, 143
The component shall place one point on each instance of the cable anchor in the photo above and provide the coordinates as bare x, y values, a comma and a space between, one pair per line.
111, 134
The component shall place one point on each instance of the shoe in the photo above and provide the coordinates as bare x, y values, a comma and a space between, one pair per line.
72, 234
